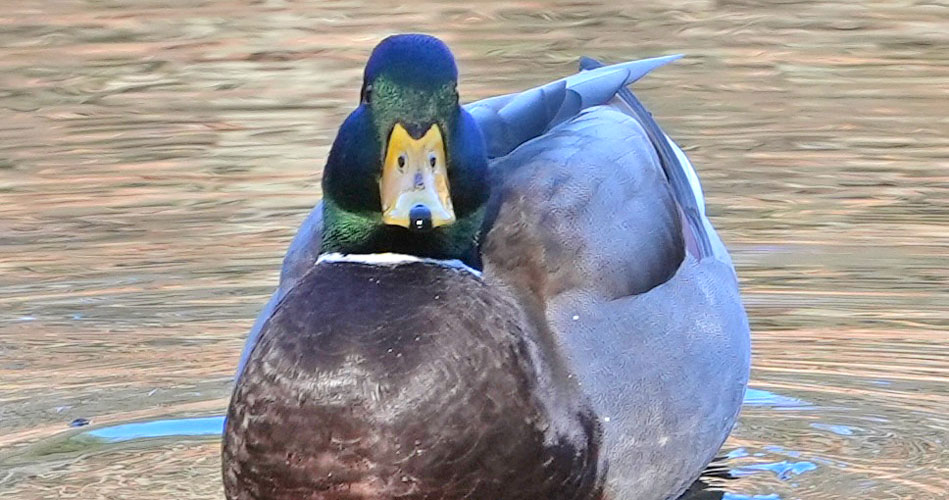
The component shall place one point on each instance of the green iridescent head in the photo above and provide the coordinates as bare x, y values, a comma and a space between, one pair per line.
408, 170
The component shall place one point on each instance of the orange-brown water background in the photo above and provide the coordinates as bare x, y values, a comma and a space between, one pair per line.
156, 158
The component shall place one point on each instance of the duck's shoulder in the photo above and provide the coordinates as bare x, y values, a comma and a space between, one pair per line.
586, 207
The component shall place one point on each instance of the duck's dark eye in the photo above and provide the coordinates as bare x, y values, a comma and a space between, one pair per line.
401, 162
367, 94
432, 159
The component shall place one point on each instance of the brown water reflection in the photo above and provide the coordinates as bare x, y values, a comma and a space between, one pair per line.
157, 156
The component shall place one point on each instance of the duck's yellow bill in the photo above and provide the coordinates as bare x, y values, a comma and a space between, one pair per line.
414, 184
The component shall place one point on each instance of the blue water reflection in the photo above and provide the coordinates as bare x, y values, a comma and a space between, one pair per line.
784, 469
202, 426
760, 397
840, 430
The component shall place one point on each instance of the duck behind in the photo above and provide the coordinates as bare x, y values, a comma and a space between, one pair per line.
603, 352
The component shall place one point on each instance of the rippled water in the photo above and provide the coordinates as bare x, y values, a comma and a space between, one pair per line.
157, 156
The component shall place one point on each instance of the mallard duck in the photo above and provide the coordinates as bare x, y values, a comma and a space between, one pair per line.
519, 298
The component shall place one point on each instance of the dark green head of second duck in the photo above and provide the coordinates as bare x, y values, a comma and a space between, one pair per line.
407, 172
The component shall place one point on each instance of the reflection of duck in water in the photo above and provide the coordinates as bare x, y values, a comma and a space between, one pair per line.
602, 351
700, 490
710, 485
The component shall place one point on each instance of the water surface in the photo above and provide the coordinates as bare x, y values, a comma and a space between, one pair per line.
156, 158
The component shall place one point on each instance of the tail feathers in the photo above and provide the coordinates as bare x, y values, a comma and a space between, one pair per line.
511, 120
